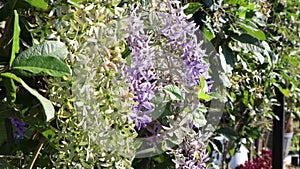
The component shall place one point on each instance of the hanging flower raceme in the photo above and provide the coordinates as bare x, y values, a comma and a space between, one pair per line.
152, 33
165, 52
182, 36
139, 74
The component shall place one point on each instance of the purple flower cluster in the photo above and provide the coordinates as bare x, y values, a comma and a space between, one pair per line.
20, 127
191, 153
140, 74
182, 36
181, 39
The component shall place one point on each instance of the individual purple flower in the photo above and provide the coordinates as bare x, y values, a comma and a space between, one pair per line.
266, 29
20, 127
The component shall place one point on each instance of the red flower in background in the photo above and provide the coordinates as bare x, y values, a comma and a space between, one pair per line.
262, 162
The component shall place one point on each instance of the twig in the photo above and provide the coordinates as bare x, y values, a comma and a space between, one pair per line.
22, 161
267, 140
9, 156
36, 153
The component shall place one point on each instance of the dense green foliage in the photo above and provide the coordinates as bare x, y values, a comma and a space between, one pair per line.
258, 44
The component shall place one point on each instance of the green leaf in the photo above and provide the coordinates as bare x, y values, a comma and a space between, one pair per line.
288, 77
49, 48
228, 132
16, 40
251, 6
47, 105
234, 2
232, 151
216, 145
128, 60
76, 1
49, 134
252, 132
246, 97
203, 90
203, 96
76, 4
192, 8
173, 91
126, 52
208, 33
199, 119
226, 58
242, 12
252, 30
42, 65
38, 3
245, 38
285, 92
260, 57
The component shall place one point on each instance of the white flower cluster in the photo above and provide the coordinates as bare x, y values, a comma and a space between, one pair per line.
94, 32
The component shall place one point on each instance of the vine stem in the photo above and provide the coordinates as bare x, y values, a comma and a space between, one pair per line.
36, 153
